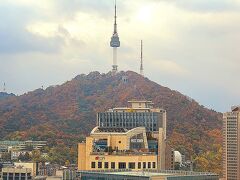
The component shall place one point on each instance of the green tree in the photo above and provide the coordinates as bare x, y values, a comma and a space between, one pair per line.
36, 156
59, 154
6, 156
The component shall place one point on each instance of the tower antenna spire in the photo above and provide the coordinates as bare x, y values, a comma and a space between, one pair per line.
115, 18
4, 87
141, 66
115, 43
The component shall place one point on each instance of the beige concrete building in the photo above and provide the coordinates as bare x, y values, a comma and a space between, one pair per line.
126, 138
20, 170
28, 165
16, 173
231, 144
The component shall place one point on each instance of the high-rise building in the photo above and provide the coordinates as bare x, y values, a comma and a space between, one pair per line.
115, 43
137, 114
131, 137
231, 144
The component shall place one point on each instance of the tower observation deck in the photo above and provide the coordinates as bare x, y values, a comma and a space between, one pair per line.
115, 43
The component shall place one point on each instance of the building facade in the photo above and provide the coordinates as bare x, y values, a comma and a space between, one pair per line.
231, 144
22, 145
12, 173
139, 114
123, 139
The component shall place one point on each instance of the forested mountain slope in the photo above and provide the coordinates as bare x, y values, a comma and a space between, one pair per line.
66, 113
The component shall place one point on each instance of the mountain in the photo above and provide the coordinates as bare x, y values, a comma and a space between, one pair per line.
64, 114
4, 95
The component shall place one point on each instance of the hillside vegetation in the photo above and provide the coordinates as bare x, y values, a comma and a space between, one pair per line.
64, 114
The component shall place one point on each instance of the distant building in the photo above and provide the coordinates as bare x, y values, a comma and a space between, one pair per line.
28, 165
146, 175
126, 138
12, 173
169, 159
23, 145
16, 153
178, 157
231, 144
3, 150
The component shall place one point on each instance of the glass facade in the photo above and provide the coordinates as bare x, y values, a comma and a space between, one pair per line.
129, 120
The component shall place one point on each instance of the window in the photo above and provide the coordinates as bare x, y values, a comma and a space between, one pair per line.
121, 165
149, 164
144, 165
106, 165
16, 175
99, 164
93, 165
112, 165
154, 164
139, 165
131, 165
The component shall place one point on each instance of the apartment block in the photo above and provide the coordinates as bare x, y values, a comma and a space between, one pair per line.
231, 144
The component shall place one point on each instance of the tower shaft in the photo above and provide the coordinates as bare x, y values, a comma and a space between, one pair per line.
114, 66
4, 87
141, 65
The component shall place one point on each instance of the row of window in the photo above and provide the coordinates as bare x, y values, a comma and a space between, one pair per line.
151, 114
123, 165
131, 116
128, 123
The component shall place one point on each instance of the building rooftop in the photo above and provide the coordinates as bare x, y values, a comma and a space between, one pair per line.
140, 101
17, 170
152, 173
235, 108
115, 130
104, 129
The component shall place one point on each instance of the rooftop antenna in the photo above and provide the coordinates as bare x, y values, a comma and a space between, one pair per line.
141, 66
4, 87
115, 43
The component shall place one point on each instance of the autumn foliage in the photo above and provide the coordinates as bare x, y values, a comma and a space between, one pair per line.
64, 114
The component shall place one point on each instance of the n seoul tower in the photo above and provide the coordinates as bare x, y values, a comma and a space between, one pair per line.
115, 43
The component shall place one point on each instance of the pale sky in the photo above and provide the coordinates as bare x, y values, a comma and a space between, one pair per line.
191, 46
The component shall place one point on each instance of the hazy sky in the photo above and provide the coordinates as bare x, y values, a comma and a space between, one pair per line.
189, 45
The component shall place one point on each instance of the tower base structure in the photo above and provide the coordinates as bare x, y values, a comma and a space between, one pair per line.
114, 66
114, 69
